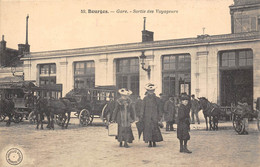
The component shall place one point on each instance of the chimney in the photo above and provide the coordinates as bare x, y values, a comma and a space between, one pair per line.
146, 35
3, 44
21, 49
24, 47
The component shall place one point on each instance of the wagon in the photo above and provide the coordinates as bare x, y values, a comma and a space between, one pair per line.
16, 91
23, 94
238, 116
92, 102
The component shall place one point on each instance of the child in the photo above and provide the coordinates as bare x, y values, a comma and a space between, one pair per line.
183, 126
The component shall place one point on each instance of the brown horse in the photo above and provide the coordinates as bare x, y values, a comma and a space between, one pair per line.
53, 107
211, 111
7, 109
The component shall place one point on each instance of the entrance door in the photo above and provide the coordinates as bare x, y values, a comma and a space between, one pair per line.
236, 84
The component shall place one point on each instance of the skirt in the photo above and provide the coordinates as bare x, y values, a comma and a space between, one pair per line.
125, 134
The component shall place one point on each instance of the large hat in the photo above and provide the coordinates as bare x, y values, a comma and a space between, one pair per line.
124, 91
150, 86
185, 97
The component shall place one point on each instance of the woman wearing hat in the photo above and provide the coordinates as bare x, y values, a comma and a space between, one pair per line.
151, 114
123, 114
183, 125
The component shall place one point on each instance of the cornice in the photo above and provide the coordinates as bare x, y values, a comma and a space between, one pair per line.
174, 43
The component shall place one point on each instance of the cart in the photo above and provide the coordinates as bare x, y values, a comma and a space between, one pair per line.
23, 94
238, 116
92, 103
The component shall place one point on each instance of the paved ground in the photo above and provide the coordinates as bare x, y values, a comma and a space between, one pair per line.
91, 146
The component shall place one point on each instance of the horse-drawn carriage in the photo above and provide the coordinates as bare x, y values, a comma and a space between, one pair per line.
92, 103
15, 92
19, 98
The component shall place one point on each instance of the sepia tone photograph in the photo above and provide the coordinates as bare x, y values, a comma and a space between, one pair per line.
129, 83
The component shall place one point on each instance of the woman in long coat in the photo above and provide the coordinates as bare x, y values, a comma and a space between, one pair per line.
123, 114
151, 114
183, 125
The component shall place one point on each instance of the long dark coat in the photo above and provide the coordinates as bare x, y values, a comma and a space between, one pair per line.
123, 114
151, 114
169, 111
183, 125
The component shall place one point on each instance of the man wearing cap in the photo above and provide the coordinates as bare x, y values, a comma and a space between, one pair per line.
151, 114
123, 114
169, 113
195, 107
183, 125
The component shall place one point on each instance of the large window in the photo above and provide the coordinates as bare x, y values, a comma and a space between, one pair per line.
46, 69
84, 74
236, 58
245, 24
176, 74
127, 74
47, 74
47, 77
236, 76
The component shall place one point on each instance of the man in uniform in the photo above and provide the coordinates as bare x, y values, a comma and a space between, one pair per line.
169, 113
195, 108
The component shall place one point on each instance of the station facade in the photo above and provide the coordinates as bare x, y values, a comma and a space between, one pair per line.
223, 68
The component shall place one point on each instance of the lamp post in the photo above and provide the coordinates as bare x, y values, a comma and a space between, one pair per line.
148, 69
13, 70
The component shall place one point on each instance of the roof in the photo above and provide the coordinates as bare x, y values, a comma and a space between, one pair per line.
16, 85
30, 85
140, 46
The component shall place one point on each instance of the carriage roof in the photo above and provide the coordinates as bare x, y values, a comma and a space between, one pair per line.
29, 85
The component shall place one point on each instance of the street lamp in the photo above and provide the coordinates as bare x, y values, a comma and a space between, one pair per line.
13, 70
148, 69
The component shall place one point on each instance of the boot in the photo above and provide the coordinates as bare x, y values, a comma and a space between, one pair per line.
154, 144
181, 148
150, 144
185, 149
126, 145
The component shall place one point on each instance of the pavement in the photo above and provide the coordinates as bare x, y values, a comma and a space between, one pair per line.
92, 147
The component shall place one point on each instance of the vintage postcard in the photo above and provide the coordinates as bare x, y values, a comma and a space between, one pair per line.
129, 83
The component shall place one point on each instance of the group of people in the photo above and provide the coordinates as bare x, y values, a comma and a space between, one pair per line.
150, 112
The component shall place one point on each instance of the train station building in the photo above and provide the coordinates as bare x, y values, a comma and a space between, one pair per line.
224, 68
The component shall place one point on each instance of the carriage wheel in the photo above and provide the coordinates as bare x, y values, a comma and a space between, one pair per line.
103, 117
2, 117
238, 124
91, 118
18, 117
85, 118
32, 117
59, 119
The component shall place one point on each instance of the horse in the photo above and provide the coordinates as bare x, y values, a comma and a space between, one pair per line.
53, 107
211, 111
7, 109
